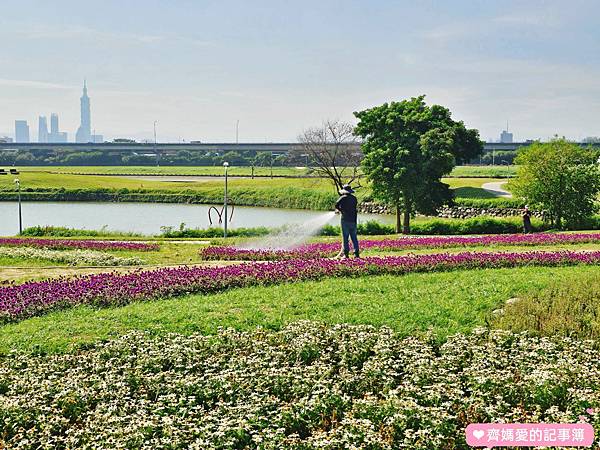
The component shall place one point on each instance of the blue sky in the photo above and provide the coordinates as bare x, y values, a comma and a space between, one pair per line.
282, 66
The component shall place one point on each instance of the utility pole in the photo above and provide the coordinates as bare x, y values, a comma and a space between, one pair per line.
237, 131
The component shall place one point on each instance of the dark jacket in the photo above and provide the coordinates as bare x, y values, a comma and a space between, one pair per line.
347, 204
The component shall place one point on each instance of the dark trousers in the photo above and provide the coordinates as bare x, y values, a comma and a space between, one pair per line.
349, 231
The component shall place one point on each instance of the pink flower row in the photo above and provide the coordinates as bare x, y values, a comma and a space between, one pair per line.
78, 244
326, 250
113, 289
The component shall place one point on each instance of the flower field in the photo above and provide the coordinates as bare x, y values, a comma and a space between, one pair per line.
78, 244
307, 386
72, 257
325, 250
113, 289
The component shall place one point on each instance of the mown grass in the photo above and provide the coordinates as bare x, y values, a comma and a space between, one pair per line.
484, 171
445, 303
460, 171
35, 179
173, 170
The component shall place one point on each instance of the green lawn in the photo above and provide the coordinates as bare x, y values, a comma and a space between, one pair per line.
484, 171
173, 170
460, 171
43, 179
446, 303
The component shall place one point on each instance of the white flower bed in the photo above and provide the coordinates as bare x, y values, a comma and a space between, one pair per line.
308, 386
71, 257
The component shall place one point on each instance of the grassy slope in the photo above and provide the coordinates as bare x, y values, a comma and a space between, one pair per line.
445, 302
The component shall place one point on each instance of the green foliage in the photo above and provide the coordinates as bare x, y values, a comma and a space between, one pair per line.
498, 202
408, 147
484, 171
368, 228
71, 232
561, 178
569, 307
214, 232
475, 225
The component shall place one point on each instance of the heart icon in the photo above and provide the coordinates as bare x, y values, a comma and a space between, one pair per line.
478, 433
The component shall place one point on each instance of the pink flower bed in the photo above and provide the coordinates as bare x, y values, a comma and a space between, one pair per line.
78, 244
326, 250
114, 289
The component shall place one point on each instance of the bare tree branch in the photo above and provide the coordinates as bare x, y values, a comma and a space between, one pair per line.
333, 150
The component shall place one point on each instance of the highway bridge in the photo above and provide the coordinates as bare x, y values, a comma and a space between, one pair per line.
204, 148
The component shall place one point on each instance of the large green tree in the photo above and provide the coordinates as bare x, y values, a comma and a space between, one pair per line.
561, 178
408, 147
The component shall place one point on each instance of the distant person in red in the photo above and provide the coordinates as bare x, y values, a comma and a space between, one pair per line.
527, 228
347, 207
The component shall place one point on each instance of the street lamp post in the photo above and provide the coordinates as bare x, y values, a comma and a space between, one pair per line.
226, 165
155, 150
18, 184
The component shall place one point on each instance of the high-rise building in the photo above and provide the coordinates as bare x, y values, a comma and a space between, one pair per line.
55, 133
54, 123
505, 136
21, 131
42, 129
84, 133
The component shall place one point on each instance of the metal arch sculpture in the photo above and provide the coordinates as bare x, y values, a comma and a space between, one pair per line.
220, 213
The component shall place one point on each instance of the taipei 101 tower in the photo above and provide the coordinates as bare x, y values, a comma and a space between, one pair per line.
84, 133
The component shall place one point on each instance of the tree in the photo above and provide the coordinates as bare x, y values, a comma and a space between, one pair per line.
332, 150
262, 159
408, 147
561, 178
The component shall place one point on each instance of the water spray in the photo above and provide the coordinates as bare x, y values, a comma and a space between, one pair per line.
291, 236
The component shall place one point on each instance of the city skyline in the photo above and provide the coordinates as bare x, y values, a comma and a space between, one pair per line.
279, 69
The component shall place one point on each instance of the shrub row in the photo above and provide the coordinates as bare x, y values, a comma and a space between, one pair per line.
475, 225
49, 230
213, 232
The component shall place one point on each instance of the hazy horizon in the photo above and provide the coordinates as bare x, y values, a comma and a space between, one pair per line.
198, 67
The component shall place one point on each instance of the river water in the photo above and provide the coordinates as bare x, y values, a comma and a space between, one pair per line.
147, 218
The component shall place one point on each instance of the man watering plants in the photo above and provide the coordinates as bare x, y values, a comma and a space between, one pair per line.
346, 206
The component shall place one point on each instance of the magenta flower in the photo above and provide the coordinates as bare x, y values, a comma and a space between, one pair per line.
114, 289
80, 244
325, 250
